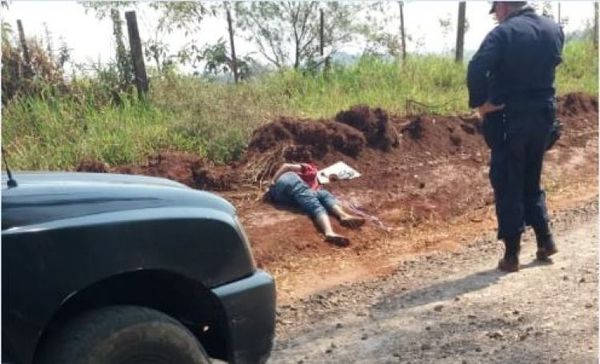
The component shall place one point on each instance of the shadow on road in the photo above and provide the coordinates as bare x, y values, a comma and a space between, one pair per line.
445, 290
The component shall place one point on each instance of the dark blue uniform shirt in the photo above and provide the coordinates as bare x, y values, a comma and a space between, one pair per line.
516, 61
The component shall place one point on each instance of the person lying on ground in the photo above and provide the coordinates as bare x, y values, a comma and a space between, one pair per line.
296, 184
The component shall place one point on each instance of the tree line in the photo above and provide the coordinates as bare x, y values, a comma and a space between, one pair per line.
300, 35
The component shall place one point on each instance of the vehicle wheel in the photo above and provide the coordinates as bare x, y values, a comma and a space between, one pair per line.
123, 335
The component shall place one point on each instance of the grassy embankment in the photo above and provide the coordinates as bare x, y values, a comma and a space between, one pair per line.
216, 120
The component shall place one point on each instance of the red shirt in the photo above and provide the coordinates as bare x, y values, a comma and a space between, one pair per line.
308, 173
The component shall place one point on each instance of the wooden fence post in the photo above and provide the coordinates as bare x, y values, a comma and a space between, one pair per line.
326, 65
460, 33
26, 56
596, 24
141, 80
402, 31
321, 33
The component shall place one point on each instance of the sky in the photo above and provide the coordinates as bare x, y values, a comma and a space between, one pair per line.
91, 40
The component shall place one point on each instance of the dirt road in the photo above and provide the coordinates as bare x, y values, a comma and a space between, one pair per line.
455, 307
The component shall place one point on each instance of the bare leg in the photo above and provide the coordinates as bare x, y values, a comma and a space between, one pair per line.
325, 225
347, 219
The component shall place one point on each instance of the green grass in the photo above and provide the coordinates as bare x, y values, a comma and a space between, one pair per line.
579, 69
216, 121
59, 135
431, 80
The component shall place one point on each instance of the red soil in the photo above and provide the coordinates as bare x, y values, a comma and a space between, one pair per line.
415, 170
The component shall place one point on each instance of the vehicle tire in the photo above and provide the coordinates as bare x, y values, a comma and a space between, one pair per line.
123, 335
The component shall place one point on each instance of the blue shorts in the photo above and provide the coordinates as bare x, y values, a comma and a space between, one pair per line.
290, 189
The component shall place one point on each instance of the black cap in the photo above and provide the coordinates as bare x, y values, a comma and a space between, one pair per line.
513, 3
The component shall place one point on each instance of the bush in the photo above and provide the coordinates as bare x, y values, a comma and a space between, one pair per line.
42, 76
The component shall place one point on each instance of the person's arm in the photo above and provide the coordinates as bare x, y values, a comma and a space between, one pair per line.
286, 167
483, 62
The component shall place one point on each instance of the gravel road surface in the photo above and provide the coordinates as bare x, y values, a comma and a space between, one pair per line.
455, 307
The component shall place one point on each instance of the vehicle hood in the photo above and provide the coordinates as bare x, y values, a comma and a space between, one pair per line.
47, 196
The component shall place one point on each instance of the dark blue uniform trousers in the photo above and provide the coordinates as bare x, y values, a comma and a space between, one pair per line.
517, 156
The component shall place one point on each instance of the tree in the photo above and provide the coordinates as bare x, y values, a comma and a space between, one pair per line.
287, 33
273, 26
342, 24
124, 65
446, 27
38, 75
102, 9
379, 41
64, 53
217, 61
234, 61
186, 16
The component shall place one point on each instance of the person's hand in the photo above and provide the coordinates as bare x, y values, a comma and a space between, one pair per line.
488, 108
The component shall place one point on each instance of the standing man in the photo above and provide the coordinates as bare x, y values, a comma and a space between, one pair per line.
511, 82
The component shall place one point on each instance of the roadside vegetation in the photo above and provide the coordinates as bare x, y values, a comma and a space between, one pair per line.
50, 124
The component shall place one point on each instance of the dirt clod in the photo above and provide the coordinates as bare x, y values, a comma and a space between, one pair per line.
213, 178
373, 123
576, 104
414, 129
94, 166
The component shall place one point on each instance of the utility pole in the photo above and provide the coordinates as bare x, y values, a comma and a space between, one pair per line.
460, 33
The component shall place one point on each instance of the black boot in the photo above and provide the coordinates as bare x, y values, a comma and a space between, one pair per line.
510, 262
545, 244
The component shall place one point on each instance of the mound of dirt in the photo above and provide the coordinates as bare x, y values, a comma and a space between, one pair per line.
216, 178
379, 145
173, 165
576, 104
318, 137
424, 137
268, 136
373, 123
414, 128
301, 140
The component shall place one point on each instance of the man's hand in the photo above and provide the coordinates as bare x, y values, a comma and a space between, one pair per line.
488, 108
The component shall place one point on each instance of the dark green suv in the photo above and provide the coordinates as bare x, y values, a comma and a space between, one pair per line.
103, 269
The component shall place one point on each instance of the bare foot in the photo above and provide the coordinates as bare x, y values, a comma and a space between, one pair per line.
337, 239
352, 221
